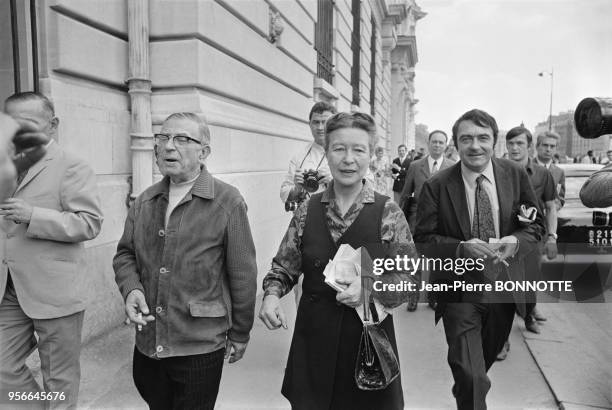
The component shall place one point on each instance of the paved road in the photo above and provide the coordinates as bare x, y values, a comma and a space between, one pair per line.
254, 383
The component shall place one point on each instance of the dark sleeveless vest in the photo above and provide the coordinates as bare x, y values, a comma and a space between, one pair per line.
321, 364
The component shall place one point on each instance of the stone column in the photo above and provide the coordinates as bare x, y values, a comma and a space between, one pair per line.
139, 89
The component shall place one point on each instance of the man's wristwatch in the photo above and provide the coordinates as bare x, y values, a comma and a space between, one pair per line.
553, 235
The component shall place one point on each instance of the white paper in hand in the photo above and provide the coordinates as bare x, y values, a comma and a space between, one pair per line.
347, 263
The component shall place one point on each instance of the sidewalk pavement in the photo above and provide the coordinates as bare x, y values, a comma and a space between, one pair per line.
574, 353
566, 364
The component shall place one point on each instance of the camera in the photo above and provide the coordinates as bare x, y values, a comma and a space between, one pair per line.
291, 206
311, 181
593, 117
311, 185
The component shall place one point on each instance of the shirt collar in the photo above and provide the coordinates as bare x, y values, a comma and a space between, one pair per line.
544, 164
430, 161
202, 187
470, 176
366, 196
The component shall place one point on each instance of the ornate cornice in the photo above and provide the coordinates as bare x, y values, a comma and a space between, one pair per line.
406, 50
398, 12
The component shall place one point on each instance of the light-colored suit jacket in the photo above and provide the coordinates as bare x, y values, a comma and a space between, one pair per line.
44, 256
417, 174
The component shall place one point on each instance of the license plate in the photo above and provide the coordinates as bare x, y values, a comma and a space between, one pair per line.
600, 238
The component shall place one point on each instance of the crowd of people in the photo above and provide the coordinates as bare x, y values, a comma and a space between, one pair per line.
186, 269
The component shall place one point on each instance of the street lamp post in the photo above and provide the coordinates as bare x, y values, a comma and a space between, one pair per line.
551, 73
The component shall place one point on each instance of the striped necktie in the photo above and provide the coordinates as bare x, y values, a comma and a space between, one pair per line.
21, 176
483, 226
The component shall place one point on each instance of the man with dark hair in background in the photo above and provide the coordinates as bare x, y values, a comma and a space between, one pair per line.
518, 143
418, 172
311, 157
462, 210
399, 167
54, 209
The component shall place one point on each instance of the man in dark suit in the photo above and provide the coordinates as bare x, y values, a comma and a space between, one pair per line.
398, 171
460, 210
418, 172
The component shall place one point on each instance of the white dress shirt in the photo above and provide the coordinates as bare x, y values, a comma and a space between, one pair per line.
544, 164
469, 181
431, 161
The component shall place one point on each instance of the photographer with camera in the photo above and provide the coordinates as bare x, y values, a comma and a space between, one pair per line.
308, 170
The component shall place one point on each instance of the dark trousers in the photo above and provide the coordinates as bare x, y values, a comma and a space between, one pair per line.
475, 333
533, 266
181, 382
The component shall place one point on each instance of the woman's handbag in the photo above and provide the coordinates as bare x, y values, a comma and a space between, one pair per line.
377, 365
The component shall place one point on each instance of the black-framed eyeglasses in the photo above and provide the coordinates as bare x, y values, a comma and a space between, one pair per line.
179, 140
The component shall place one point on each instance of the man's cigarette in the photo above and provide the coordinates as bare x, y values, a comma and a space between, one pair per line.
139, 326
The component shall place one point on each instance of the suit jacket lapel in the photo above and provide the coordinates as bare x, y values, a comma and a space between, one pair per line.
504, 197
425, 168
456, 191
39, 166
446, 163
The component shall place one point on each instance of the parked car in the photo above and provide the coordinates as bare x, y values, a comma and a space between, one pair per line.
584, 241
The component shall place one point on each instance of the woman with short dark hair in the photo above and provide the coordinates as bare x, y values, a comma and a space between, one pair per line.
321, 364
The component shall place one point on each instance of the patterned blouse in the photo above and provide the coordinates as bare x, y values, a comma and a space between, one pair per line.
286, 265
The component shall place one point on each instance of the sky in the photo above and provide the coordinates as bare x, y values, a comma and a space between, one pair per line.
487, 54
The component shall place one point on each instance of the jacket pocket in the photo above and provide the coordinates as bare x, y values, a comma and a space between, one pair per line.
207, 309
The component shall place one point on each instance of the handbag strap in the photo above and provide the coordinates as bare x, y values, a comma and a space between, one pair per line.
375, 318
368, 304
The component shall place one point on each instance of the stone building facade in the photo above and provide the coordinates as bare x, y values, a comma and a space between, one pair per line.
116, 68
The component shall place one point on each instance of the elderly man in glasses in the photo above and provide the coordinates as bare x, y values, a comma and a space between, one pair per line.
185, 266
